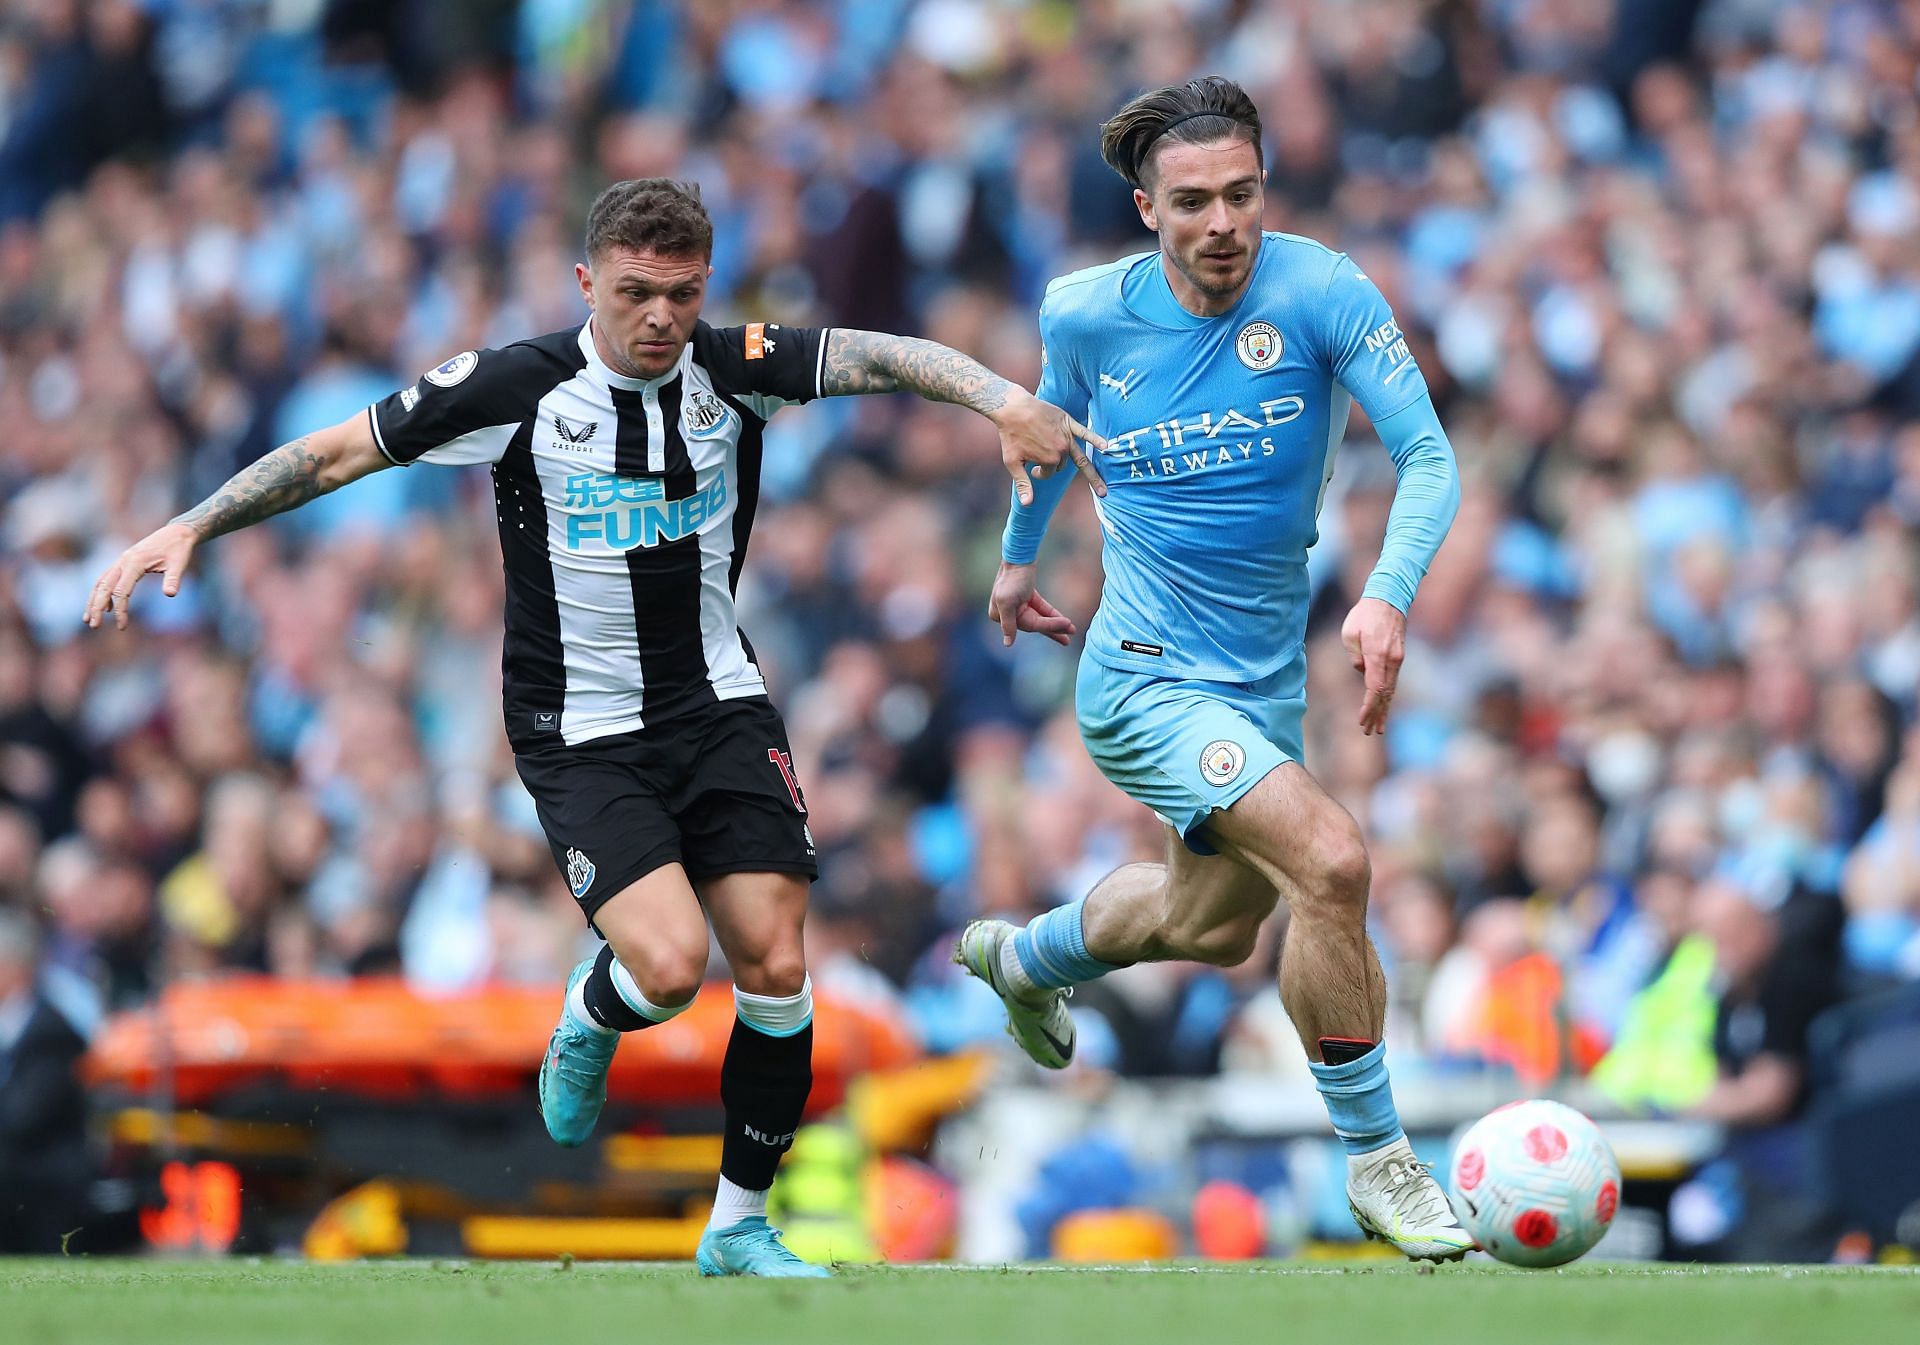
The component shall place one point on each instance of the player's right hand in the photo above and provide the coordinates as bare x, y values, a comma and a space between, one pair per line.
1037, 439
1017, 607
165, 552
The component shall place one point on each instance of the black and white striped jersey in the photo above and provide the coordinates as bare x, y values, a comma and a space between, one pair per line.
624, 508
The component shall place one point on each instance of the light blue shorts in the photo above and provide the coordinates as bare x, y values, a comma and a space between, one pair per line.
1187, 748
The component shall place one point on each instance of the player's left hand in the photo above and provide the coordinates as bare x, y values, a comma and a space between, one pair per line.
1375, 634
1037, 437
1016, 606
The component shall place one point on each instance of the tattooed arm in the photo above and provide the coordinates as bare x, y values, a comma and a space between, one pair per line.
861, 362
284, 479
1035, 437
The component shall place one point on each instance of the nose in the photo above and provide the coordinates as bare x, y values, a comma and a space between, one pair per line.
1219, 219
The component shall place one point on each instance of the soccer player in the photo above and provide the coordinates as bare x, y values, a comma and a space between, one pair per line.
626, 465
1220, 369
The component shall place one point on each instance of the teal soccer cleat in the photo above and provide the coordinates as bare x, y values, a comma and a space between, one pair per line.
751, 1247
573, 1073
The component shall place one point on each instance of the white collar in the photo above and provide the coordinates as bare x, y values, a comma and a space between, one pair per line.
618, 380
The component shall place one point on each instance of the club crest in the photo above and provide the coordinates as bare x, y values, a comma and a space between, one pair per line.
1221, 761
705, 416
580, 872
1259, 346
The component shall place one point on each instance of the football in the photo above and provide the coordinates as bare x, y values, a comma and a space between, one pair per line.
1535, 1183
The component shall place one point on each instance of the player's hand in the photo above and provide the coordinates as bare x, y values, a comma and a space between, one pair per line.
1036, 437
1375, 634
1017, 607
164, 552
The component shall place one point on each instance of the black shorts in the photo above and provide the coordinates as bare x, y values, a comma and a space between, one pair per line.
713, 790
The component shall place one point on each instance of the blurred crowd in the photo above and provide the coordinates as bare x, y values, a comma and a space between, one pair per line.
1650, 800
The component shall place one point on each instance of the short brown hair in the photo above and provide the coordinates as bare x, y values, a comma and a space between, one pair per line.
1195, 113
650, 214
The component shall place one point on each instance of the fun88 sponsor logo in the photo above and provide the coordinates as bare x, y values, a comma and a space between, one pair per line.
623, 512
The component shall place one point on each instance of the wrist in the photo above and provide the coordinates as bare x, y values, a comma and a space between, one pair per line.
1382, 589
1006, 399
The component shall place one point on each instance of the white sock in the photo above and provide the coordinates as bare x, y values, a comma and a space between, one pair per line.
733, 1203
776, 1015
629, 990
1014, 974
577, 1010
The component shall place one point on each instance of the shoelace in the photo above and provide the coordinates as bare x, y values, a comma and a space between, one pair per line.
1410, 1186
772, 1246
565, 1062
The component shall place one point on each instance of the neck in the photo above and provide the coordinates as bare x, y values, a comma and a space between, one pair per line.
1196, 300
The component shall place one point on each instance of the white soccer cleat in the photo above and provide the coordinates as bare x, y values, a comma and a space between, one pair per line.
1394, 1198
1038, 1021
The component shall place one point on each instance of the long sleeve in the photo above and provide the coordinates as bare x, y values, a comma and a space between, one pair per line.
1027, 523
1424, 503
1060, 385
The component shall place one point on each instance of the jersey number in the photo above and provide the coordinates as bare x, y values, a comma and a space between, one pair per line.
783, 762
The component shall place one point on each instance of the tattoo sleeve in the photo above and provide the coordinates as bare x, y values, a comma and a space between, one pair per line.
282, 480
862, 362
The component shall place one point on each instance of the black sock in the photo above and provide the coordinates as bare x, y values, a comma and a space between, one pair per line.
604, 1004
764, 1082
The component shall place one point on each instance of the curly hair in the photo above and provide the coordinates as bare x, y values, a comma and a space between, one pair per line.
650, 213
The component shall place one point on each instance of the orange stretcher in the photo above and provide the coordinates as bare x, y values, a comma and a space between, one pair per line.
378, 1038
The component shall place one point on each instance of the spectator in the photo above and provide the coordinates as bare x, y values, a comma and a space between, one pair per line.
44, 1161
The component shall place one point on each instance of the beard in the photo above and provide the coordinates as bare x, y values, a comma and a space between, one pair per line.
1214, 284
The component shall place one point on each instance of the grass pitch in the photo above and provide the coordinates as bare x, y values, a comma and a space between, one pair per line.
87, 1302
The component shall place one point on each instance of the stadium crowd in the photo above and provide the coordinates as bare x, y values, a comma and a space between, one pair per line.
1652, 782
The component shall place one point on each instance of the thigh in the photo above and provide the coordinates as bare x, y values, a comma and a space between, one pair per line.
1286, 827
606, 826
657, 928
758, 919
1186, 749
1206, 892
737, 802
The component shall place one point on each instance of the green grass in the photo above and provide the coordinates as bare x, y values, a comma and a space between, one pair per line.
81, 1302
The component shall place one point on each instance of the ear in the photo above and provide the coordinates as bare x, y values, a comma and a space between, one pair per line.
585, 277
1144, 204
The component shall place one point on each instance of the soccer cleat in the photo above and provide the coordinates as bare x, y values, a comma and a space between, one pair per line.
1394, 1198
1039, 1022
751, 1247
573, 1073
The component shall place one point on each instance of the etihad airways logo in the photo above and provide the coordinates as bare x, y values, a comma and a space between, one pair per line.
1181, 444
619, 513
1175, 431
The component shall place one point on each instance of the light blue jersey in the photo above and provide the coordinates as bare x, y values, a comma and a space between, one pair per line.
1221, 438
1222, 434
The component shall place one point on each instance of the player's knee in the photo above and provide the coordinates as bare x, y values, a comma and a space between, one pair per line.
669, 977
1340, 879
779, 972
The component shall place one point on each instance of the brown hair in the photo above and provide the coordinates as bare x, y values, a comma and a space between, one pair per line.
1201, 110
650, 213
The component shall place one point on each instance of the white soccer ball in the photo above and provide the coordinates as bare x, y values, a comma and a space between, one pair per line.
1535, 1183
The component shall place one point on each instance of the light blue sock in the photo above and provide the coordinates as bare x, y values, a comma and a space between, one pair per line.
1360, 1101
1053, 950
